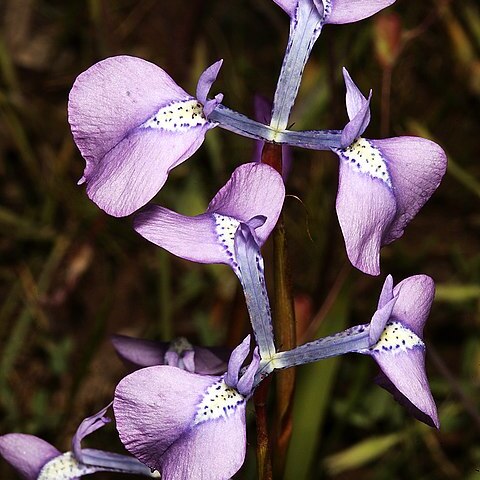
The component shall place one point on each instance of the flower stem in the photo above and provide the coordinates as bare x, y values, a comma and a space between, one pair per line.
264, 460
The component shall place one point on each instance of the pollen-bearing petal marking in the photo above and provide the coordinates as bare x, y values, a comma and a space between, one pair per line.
225, 228
397, 338
363, 157
178, 117
219, 401
64, 467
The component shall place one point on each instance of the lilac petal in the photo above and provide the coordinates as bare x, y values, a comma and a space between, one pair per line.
154, 407
245, 384
253, 189
289, 6
26, 453
237, 358
407, 381
416, 167
212, 451
365, 208
191, 238
358, 109
139, 352
113, 97
88, 426
133, 171
380, 319
347, 11
206, 80
387, 292
354, 98
212, 360
172, 421
432, 420
415, 296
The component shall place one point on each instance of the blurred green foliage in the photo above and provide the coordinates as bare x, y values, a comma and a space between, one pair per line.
70, 276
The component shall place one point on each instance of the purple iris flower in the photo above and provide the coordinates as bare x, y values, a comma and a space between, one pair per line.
140, 353
36, 459
382, 183
253, 191
394, 338
185, 425
132, 123
400, 350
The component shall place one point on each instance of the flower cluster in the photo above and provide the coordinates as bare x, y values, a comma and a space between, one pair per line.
181, 410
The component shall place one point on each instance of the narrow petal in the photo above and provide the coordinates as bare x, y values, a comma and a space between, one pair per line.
354, 99
415, 296
138, 351
245, 384
205, 82
407, 381
154, 407
137, 167
365, 208
387, 292
236, 361
348, 11
416, 167
88, 426
192, 238
26, 453
380, 319
253, 189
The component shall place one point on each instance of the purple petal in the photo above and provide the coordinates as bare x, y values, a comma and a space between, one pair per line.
211, 451
245, 384
112, 98
26, 453
414, 300
154, 407
192, 238
407, 381
387, 292
380, 319
416, 167
365, 208
289, 6
139, 352
432, 420
237, 358
88, 426
205, 83
212, 360
358, 109
347, 11
133, 171
253, 190
173, 421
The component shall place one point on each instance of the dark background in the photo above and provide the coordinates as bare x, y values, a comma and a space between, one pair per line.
70, 275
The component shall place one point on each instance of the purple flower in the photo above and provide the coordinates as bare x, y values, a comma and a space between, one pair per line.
400, 350
140, 353
186, 425
35, 458
254, 190
382, 183
132, 123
